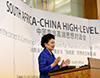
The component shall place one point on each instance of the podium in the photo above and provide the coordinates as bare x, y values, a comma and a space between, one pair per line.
90, 71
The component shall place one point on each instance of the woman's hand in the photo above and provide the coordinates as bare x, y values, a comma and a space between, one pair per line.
65, 63
57, 60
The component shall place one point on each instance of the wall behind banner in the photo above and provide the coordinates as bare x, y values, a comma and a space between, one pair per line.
21, 29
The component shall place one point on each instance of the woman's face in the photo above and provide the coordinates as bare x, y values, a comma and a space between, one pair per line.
50, 45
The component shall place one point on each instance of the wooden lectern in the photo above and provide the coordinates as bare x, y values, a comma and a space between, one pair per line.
90, 71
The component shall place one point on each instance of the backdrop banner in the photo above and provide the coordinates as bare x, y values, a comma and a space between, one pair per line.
94, 39
21, 29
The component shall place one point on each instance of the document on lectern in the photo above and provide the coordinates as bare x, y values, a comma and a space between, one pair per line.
63, 68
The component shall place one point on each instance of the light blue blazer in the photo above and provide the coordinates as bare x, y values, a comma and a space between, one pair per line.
45, 60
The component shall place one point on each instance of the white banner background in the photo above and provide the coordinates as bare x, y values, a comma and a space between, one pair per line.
20, 39
6, 42
95, 39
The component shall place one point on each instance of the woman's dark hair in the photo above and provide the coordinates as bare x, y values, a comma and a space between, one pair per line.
46, 38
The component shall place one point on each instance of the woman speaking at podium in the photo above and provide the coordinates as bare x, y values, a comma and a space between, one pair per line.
46, 59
